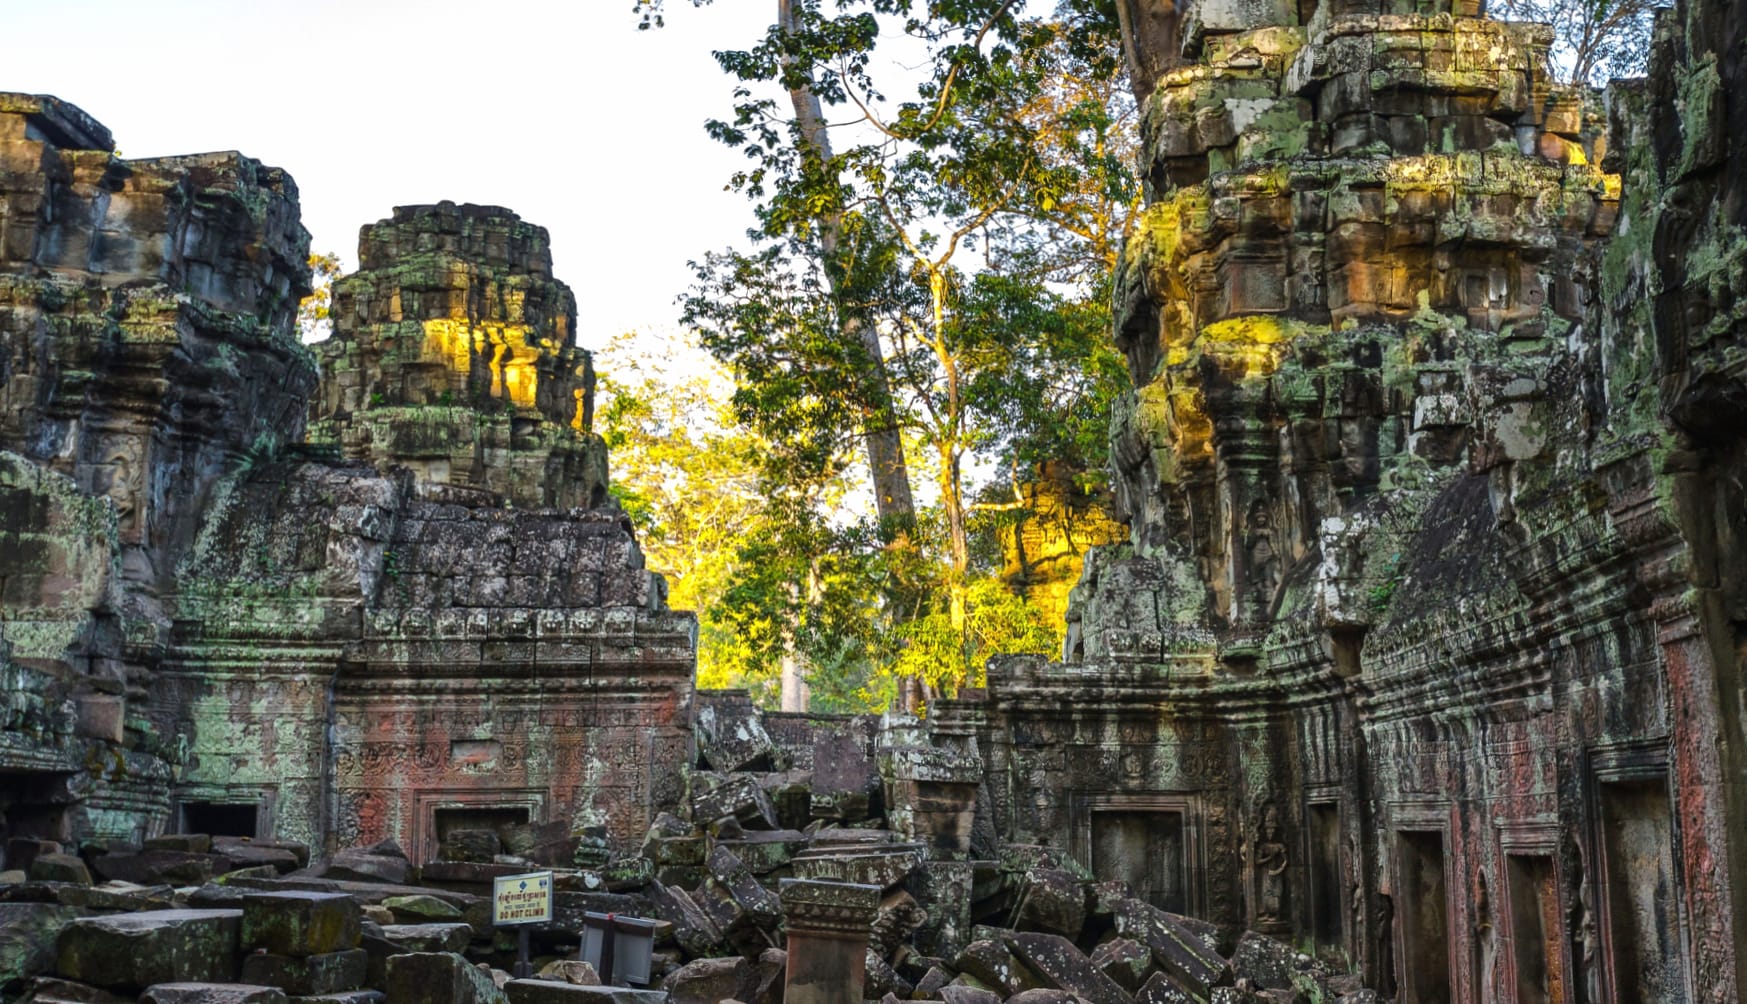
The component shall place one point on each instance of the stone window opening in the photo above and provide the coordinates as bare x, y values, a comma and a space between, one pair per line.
1642, 924
221, 819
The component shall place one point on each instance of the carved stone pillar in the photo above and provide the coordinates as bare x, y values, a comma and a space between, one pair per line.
828, 929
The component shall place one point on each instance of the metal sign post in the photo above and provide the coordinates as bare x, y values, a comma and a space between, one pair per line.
521, 901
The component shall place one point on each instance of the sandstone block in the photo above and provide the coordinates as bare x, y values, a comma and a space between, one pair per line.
958, 993
549, 992
1052, 901
1061, 965
212, 993
308, 974
154, 867
300, 923
1126, 961
48, 990
422, 909
365, 867
440, 978
740, 797
429, 937
27, 938
59, 868
706, 981
572, 971
138, 950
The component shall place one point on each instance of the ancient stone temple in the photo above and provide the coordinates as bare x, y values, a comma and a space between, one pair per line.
1414, 672
415, 619
1424, 648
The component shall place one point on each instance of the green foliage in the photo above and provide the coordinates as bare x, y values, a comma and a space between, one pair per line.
315, 311
971, 229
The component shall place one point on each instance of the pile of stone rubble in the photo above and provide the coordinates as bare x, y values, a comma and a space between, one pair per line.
865, 854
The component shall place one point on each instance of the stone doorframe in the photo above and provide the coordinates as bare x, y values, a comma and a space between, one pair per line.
1537, 838
1409, 817
264, 797
1638, 761
1083, 805
427, 801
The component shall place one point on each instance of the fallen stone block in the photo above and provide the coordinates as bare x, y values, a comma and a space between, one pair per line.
359, 866
212, 993
248, 850
1177, 948
693, 929
344, 997
440, 978
884, 867
421, 909
764, 851
706, 981
1267, 964
49, 990
300, 923
1045, 995
882, 979
138, 950
993, 964
1064, 967
117, 896
27, 939
308, 974
1163, 988
730, 732
21, 851
549, 992
1051, 901
958, 993
59, 868
739, 797
428, 937
573, 971
176, 868
929, 986
1126, 961
470, 845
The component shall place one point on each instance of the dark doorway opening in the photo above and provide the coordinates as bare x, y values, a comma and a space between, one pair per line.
1424, 919
221, 819
493, 818
1643, 900
1146, 850
1537, 942
1326, 902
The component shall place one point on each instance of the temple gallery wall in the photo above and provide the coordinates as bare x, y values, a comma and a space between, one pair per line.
1417, 646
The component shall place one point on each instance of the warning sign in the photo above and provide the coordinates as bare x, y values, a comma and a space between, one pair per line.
521, 899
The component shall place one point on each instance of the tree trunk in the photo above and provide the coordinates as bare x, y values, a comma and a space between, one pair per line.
1151, 42
885, 445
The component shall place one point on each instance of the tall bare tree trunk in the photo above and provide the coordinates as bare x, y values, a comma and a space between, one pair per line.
885, 445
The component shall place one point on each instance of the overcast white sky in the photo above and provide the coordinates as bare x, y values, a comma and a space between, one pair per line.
558, 109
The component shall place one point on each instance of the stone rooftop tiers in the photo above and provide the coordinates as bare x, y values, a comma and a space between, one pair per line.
203, 622
453, 355
145, 334
1407, 647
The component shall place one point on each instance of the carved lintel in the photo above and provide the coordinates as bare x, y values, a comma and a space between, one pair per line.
829, 909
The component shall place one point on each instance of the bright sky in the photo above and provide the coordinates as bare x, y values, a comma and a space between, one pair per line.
559, 109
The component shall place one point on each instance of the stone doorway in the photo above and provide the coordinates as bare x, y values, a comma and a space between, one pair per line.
1536, 933
1643, 926
1423, 923
1327, 905
1144, 849
1149, 840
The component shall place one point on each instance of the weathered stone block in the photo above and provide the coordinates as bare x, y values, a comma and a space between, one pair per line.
1061, 965
28, 932
137, 950
59, 868
300, 923
308, 974
425, 977
549, 992
429, 937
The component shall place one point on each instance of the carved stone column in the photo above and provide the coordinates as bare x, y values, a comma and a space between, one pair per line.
828, 929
